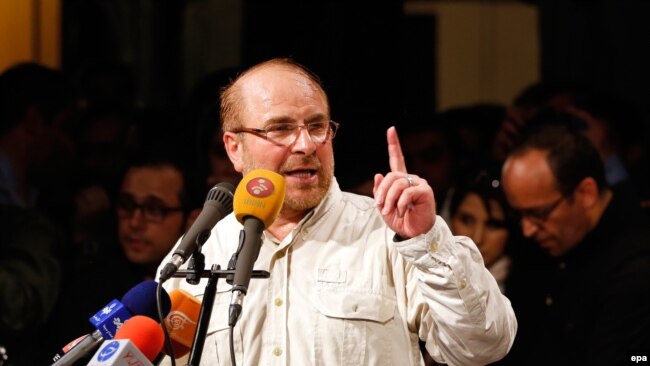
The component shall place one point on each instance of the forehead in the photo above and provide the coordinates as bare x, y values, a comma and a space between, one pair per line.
528, 178
275, 90
474, 203
482, 207
164, 182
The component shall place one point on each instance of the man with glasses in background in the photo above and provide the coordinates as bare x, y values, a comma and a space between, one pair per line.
151, 212
154, 204
587, 301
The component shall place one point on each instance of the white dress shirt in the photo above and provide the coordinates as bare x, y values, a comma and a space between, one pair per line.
343, 292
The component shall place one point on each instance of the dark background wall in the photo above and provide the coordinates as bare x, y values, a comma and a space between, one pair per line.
603, 45
375, 61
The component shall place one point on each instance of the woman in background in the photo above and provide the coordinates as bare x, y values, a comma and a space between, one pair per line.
479, 210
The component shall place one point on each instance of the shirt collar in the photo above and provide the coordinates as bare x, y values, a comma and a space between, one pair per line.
333, 195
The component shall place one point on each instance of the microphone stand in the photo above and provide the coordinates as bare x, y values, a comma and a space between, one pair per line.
207, 304
204, 317
197, 260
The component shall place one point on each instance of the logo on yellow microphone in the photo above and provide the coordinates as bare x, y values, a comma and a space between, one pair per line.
260, 187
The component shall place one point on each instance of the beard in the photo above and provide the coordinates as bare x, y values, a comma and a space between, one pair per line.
305, 197
300, 197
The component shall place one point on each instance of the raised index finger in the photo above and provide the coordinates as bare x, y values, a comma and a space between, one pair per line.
395, 156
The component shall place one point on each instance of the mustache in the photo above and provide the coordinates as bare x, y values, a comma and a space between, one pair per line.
310, 161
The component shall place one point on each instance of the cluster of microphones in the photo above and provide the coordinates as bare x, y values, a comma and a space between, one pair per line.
128, 331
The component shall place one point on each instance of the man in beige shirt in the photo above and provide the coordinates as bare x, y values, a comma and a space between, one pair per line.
353, 281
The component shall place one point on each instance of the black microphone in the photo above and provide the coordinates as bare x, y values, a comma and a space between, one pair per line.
258, 200
218, 204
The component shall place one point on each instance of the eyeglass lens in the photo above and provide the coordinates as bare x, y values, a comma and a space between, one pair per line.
152, 208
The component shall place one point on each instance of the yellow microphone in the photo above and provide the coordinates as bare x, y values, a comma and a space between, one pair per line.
257, 202
182, 321
260, 194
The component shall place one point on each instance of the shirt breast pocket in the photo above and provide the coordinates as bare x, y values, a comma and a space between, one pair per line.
350, 323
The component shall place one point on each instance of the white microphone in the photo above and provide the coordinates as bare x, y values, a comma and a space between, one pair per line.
137, 343
119, 352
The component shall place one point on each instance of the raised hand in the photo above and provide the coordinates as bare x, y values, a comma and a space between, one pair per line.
404, 200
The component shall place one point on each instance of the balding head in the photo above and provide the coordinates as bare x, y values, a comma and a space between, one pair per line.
233, 96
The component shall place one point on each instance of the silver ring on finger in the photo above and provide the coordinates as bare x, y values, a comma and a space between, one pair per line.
410, 180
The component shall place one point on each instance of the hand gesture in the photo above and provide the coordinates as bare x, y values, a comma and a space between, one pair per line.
405, 201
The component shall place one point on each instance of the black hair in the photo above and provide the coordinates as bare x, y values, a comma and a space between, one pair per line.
154, 142
571, 156
487, 186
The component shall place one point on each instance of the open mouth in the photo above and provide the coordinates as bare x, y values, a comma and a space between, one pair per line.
301, 173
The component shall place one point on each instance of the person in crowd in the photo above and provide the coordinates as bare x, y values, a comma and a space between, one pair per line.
151, 210
613, 125
36, 154
30, 276
37, 160
353, 280
479, 210
587, 300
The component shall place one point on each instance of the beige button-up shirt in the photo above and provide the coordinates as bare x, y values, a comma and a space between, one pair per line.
342, 292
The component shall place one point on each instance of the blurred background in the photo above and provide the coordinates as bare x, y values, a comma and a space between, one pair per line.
382, 62
138, 80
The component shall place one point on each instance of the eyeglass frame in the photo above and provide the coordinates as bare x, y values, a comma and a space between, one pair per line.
145, 208
263, 132
539, 215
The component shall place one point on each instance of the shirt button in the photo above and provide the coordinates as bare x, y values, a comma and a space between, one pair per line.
278, 302
462, 284
277, 351
433, 247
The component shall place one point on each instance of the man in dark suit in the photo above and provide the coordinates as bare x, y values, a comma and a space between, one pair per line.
587, 299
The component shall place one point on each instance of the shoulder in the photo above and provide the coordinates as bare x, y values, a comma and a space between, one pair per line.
357, 201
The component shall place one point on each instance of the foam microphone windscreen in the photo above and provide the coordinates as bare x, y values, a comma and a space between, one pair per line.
182, 321
142, 300
260, 194
145, 333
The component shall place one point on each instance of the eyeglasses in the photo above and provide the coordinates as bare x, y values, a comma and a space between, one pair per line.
152, 209
287, 133
539, 215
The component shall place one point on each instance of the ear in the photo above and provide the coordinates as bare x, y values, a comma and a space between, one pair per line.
587, 192
233, 145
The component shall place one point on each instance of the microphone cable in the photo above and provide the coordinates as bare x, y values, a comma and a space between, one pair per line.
232, 346
168, 341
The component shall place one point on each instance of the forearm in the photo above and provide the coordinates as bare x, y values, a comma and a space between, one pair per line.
469, 321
